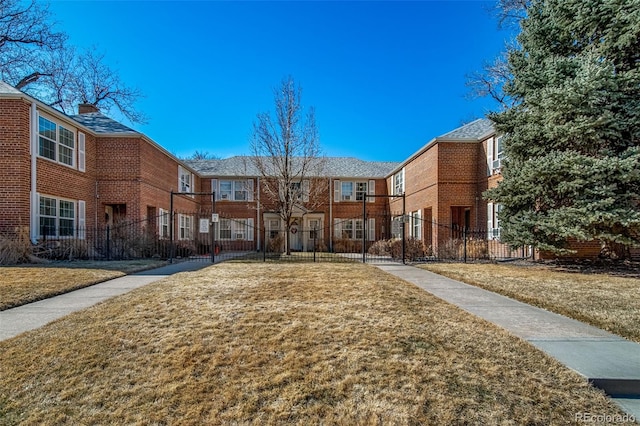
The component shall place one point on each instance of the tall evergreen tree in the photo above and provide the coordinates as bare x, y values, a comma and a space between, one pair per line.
572, 168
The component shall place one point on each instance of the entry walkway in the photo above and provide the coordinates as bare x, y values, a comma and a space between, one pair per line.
33, 315
608, 361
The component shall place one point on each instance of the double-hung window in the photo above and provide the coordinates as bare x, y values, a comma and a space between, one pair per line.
353, 229
416, 225
347, 191
361, 190
58, 218
240, 190
493, 220
225, 229
398, 183
185, 180
495, 154
56, 142
352, 190
237, 229
233, 189
163, 224
185, 227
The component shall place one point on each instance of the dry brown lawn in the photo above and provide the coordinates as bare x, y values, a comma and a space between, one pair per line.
26, 284
283, 344
604, 300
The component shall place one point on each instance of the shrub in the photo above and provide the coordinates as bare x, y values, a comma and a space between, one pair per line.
17, 249
454, 249
414, 249
64, 250
346, 245
449, 249
275, 244
381, 248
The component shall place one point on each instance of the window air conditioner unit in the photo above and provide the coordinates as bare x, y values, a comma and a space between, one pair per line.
347, 198
239, 236
497, 164
224, 196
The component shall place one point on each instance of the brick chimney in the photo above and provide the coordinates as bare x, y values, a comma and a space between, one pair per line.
87, 108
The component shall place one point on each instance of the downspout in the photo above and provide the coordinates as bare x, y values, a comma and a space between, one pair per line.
330, 214
258, 213
34, 207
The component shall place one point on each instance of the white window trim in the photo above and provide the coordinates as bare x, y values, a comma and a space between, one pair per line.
182, 174
415, 230
493, 221
398, 189
79, 219
58, 124
163, 221
238, 226
185, 223
339, 226
494, 156
339, 197
247, 186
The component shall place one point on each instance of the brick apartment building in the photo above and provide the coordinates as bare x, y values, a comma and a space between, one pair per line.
64, 175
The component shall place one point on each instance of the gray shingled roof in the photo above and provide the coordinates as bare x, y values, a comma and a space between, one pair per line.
474, 130
100, 123
8, 89
334, 167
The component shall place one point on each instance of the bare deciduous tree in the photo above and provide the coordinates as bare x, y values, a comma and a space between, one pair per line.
492, 78
286, 152
491, 81
36, 59
25, 33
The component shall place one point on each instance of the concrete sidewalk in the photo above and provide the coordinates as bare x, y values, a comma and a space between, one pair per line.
608, 361
34, 315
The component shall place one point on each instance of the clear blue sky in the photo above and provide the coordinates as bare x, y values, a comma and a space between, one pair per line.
384, 77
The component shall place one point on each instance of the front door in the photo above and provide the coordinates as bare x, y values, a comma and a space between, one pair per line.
294, 236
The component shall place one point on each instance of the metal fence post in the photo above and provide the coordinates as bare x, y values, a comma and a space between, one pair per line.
464, 237
315, 235
108, 236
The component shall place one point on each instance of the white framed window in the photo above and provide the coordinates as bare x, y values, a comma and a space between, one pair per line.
163, 224
493, 221
415, 230
233, 189
185, 180
314, 226
274, 228
225, 229
299, 190
347, 191
59, 217
495, 154
398, 183
56, 142
353, 190
236, 229
353, 229
185, 227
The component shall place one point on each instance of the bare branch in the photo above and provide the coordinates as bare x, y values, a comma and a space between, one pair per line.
35, 58
286, 152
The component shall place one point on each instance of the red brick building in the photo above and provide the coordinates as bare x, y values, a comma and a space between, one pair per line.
66, 175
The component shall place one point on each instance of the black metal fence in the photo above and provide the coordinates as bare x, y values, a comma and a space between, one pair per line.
424, 241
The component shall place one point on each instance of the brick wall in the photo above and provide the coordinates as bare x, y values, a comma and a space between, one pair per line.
16, 164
